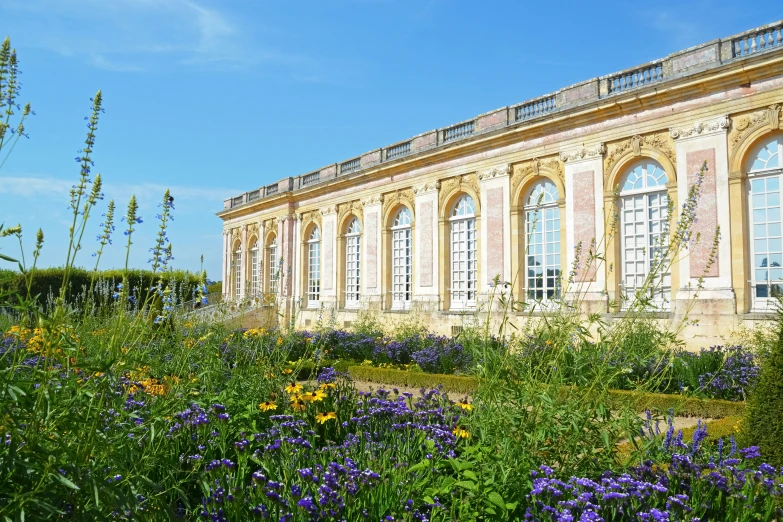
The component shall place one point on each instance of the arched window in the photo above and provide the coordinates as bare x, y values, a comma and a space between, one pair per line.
463, 253
314, 268
766, 244
402, 266
542, 219
274, 270
238, 273
255, 277
353, 261
644, 229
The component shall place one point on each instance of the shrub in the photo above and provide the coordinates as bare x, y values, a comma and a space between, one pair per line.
764, 424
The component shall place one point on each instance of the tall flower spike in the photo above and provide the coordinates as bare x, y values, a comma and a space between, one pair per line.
161, 252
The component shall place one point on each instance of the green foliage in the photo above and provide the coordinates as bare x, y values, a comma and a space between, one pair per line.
47, 282
764, 425
215, 288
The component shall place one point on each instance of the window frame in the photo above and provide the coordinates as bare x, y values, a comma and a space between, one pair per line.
313, 289
546, 205
353, 263
764, 304
402, 264
662, 296
464, 223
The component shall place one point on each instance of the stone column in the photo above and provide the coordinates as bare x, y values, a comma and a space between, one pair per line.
329, 256
223, 274
705, 141
584, 224
425, 247
371, 250
495, 233
243, 269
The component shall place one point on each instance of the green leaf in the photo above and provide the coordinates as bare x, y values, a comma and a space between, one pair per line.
9, 259
466, 484
469, 474
429, 500
496, 499
66, 482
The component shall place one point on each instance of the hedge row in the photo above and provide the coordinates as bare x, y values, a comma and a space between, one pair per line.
682, 405
47, 281
451, 383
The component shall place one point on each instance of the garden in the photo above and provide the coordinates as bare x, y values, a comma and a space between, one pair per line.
120, 402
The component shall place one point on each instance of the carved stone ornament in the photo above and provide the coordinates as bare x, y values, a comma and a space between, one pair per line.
458, 182
426, 188
352, 207
701, 128
252, 231
331, 209
270, 227
392, 199
236, 235
552, 166
660, 142
494, 172
376, 199
741, 126
583, 153
311, 216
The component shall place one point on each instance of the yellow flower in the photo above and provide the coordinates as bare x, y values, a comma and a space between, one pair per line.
548, 342
323, 417
461, 433
266, 406
293, 388
279, 341
297, 403
465, 405
325, 386
288, 371
320, 395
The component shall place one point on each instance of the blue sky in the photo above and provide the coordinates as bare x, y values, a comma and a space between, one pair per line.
213, 98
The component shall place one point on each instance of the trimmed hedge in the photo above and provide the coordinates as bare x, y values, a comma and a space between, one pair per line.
682, 405
48, 281
451, 383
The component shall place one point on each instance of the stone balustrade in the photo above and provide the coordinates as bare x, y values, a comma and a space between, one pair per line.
742, 46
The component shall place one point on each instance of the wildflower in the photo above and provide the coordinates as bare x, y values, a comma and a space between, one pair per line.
298, 405
323, 417
288, 371
293, 388
267, 406
279, 341
327, 385
465, 405
461, 433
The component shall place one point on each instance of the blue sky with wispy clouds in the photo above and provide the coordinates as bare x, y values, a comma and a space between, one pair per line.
212, 98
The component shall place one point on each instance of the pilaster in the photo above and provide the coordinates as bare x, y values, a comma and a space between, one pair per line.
329, 256
495, 233
586, 235
425, 246
706, 141
243, 270
371, 250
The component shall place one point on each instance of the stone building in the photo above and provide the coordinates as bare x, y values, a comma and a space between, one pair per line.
529, 194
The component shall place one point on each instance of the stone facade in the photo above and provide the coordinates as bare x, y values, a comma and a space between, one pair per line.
606, 157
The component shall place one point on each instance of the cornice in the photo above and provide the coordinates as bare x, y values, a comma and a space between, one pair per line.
584, 153
701, 128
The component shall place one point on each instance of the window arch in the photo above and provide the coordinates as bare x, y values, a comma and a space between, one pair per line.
314, 267
644, 228
238, 272
402, 260
272, 263
542, 242
464, 266
353, 251
764, 169
255, 270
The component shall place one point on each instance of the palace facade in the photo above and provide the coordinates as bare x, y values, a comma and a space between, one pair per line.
568, 194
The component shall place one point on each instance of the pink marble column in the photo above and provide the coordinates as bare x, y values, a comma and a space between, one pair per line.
706, 211
494, 248
584, 222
